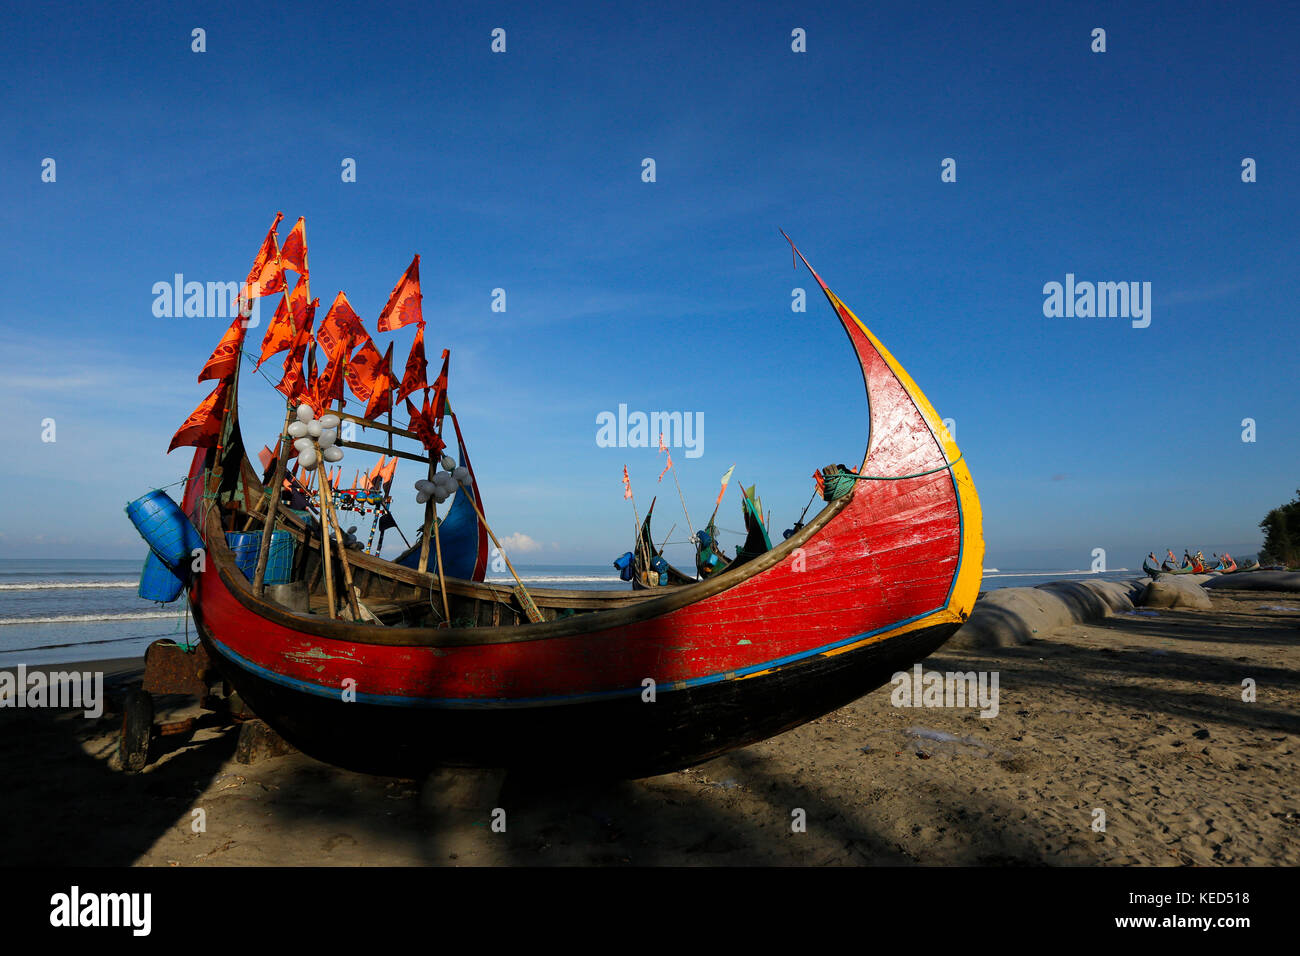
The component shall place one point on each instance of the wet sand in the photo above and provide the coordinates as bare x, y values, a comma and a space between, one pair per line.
1138, 715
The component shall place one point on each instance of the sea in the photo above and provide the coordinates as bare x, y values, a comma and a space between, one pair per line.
64, 611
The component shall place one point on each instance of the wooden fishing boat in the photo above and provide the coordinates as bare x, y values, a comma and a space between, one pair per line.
644, 576
608, 682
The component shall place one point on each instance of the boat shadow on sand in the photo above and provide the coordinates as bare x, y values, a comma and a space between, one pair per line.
65, 803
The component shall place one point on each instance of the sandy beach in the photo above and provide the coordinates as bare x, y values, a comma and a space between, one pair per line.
1139, 715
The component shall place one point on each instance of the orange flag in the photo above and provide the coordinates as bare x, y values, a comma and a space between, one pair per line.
381, 393
667, 466
725, 478
423, 429
403, 305
267, 275
339, 332
204, 424
294, 384
627, 484
435, 411
416, 374
375, 472
387, 475
340, 329
225, 357
294, 251
282, 331
329, 387
363, 368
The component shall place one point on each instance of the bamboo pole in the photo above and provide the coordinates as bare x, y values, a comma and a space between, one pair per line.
268, 526
325, 557
328, 514
690, 528
530, 607
442, 581
431, 525
430, 512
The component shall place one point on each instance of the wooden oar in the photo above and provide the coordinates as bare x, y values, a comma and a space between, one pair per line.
526, 599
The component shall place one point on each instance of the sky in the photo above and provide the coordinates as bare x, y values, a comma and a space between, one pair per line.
523, 171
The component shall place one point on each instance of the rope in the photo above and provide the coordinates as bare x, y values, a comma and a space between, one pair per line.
838, 480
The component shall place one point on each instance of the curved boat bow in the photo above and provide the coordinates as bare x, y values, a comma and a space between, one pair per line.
619, 682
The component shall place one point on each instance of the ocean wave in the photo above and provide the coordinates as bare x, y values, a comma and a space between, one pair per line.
611, 579
87, 618
108, 640
65, 585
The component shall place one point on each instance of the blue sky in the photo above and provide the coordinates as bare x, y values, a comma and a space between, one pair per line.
522, 171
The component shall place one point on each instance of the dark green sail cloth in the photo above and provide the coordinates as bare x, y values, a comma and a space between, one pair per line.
756, 540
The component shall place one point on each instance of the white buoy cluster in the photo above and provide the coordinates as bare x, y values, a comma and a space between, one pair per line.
313, 436
443, 484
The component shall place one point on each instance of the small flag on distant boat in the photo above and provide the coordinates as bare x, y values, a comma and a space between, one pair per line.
725, 478
627, 484
667, 466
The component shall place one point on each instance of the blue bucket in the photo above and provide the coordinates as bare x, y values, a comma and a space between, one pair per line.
158, 582
164, 527
279, 561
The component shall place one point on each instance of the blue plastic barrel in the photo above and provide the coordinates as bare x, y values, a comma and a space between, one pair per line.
158, 582
279, 561
166, 530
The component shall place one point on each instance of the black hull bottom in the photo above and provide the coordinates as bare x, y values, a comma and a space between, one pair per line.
610, 739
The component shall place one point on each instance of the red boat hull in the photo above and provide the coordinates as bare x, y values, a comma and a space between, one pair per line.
874, 583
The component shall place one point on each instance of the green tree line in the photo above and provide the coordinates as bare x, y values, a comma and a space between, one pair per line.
1281, 529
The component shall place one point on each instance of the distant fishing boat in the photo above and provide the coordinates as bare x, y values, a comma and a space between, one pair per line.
649, 567
428, 669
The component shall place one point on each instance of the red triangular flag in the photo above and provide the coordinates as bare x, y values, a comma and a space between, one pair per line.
417, 369
294, 384
225, 357
362, 369
294, 251
381, 397
203, 426
267, 275
282, 331
340, 329
438, 408
403, 305
422, 428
